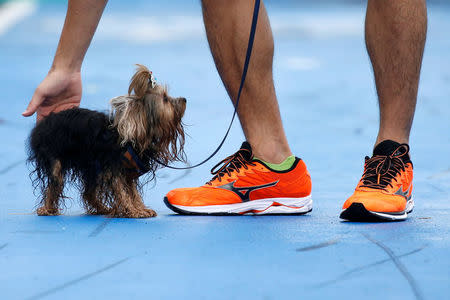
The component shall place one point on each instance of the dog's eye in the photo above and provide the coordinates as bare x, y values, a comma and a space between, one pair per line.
165, 98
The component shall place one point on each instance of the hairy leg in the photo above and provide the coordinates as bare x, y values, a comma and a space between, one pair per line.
227, 24
137, 199
395, 40
53, 192
94, 205
123, 205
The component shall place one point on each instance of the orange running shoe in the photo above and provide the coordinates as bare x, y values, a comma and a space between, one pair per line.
245, 185
384, 192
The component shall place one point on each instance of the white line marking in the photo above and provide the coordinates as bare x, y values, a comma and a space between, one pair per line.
13, 12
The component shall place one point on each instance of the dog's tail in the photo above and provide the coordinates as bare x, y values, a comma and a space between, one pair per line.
140, 82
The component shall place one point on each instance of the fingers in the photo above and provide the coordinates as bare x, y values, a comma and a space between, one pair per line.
35, 102
39, 117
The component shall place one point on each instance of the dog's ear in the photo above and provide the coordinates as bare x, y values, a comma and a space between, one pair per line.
165, 127
130, 120
119, 101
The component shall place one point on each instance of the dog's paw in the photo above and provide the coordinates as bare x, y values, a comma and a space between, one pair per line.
144, 213
45, 211
134, 214
151, 213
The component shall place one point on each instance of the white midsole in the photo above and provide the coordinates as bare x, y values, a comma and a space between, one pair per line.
256, 207
409, 205
409, 208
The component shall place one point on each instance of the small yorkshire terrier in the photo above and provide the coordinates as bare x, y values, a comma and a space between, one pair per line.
104, 155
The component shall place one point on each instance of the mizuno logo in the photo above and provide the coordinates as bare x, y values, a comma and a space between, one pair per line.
404, 193
244, 191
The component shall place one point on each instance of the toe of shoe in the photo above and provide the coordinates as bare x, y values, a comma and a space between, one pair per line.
377, 202
182, 196
201, 196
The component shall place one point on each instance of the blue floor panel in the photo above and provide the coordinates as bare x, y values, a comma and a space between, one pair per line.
329, 109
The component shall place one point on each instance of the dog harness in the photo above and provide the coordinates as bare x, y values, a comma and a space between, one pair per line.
133, 163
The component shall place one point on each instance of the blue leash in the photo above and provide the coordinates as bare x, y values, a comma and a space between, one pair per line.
244, 75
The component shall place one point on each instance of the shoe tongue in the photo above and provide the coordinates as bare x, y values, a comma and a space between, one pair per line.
386, 147
246, 151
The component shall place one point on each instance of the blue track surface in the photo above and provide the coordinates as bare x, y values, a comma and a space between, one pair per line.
328, 103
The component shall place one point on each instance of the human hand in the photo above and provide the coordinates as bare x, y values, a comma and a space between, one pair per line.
60, 90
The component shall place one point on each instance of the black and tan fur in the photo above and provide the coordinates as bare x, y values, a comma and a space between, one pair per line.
87, 148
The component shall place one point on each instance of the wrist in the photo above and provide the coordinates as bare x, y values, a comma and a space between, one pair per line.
66, 61
64, 68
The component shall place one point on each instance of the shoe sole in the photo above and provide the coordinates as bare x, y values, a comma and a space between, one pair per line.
271, 206
358, 213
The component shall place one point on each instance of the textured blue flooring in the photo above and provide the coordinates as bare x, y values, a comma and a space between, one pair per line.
329, 109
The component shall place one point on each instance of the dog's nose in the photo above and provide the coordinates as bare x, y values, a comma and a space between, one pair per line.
184, 100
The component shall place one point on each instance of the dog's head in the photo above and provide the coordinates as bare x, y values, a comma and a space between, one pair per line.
149, 118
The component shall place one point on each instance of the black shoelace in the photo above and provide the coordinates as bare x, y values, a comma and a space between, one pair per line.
228, 165
381, 170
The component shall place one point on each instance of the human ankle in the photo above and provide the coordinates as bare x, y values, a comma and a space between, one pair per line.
399, 138
275, 154
283, 166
